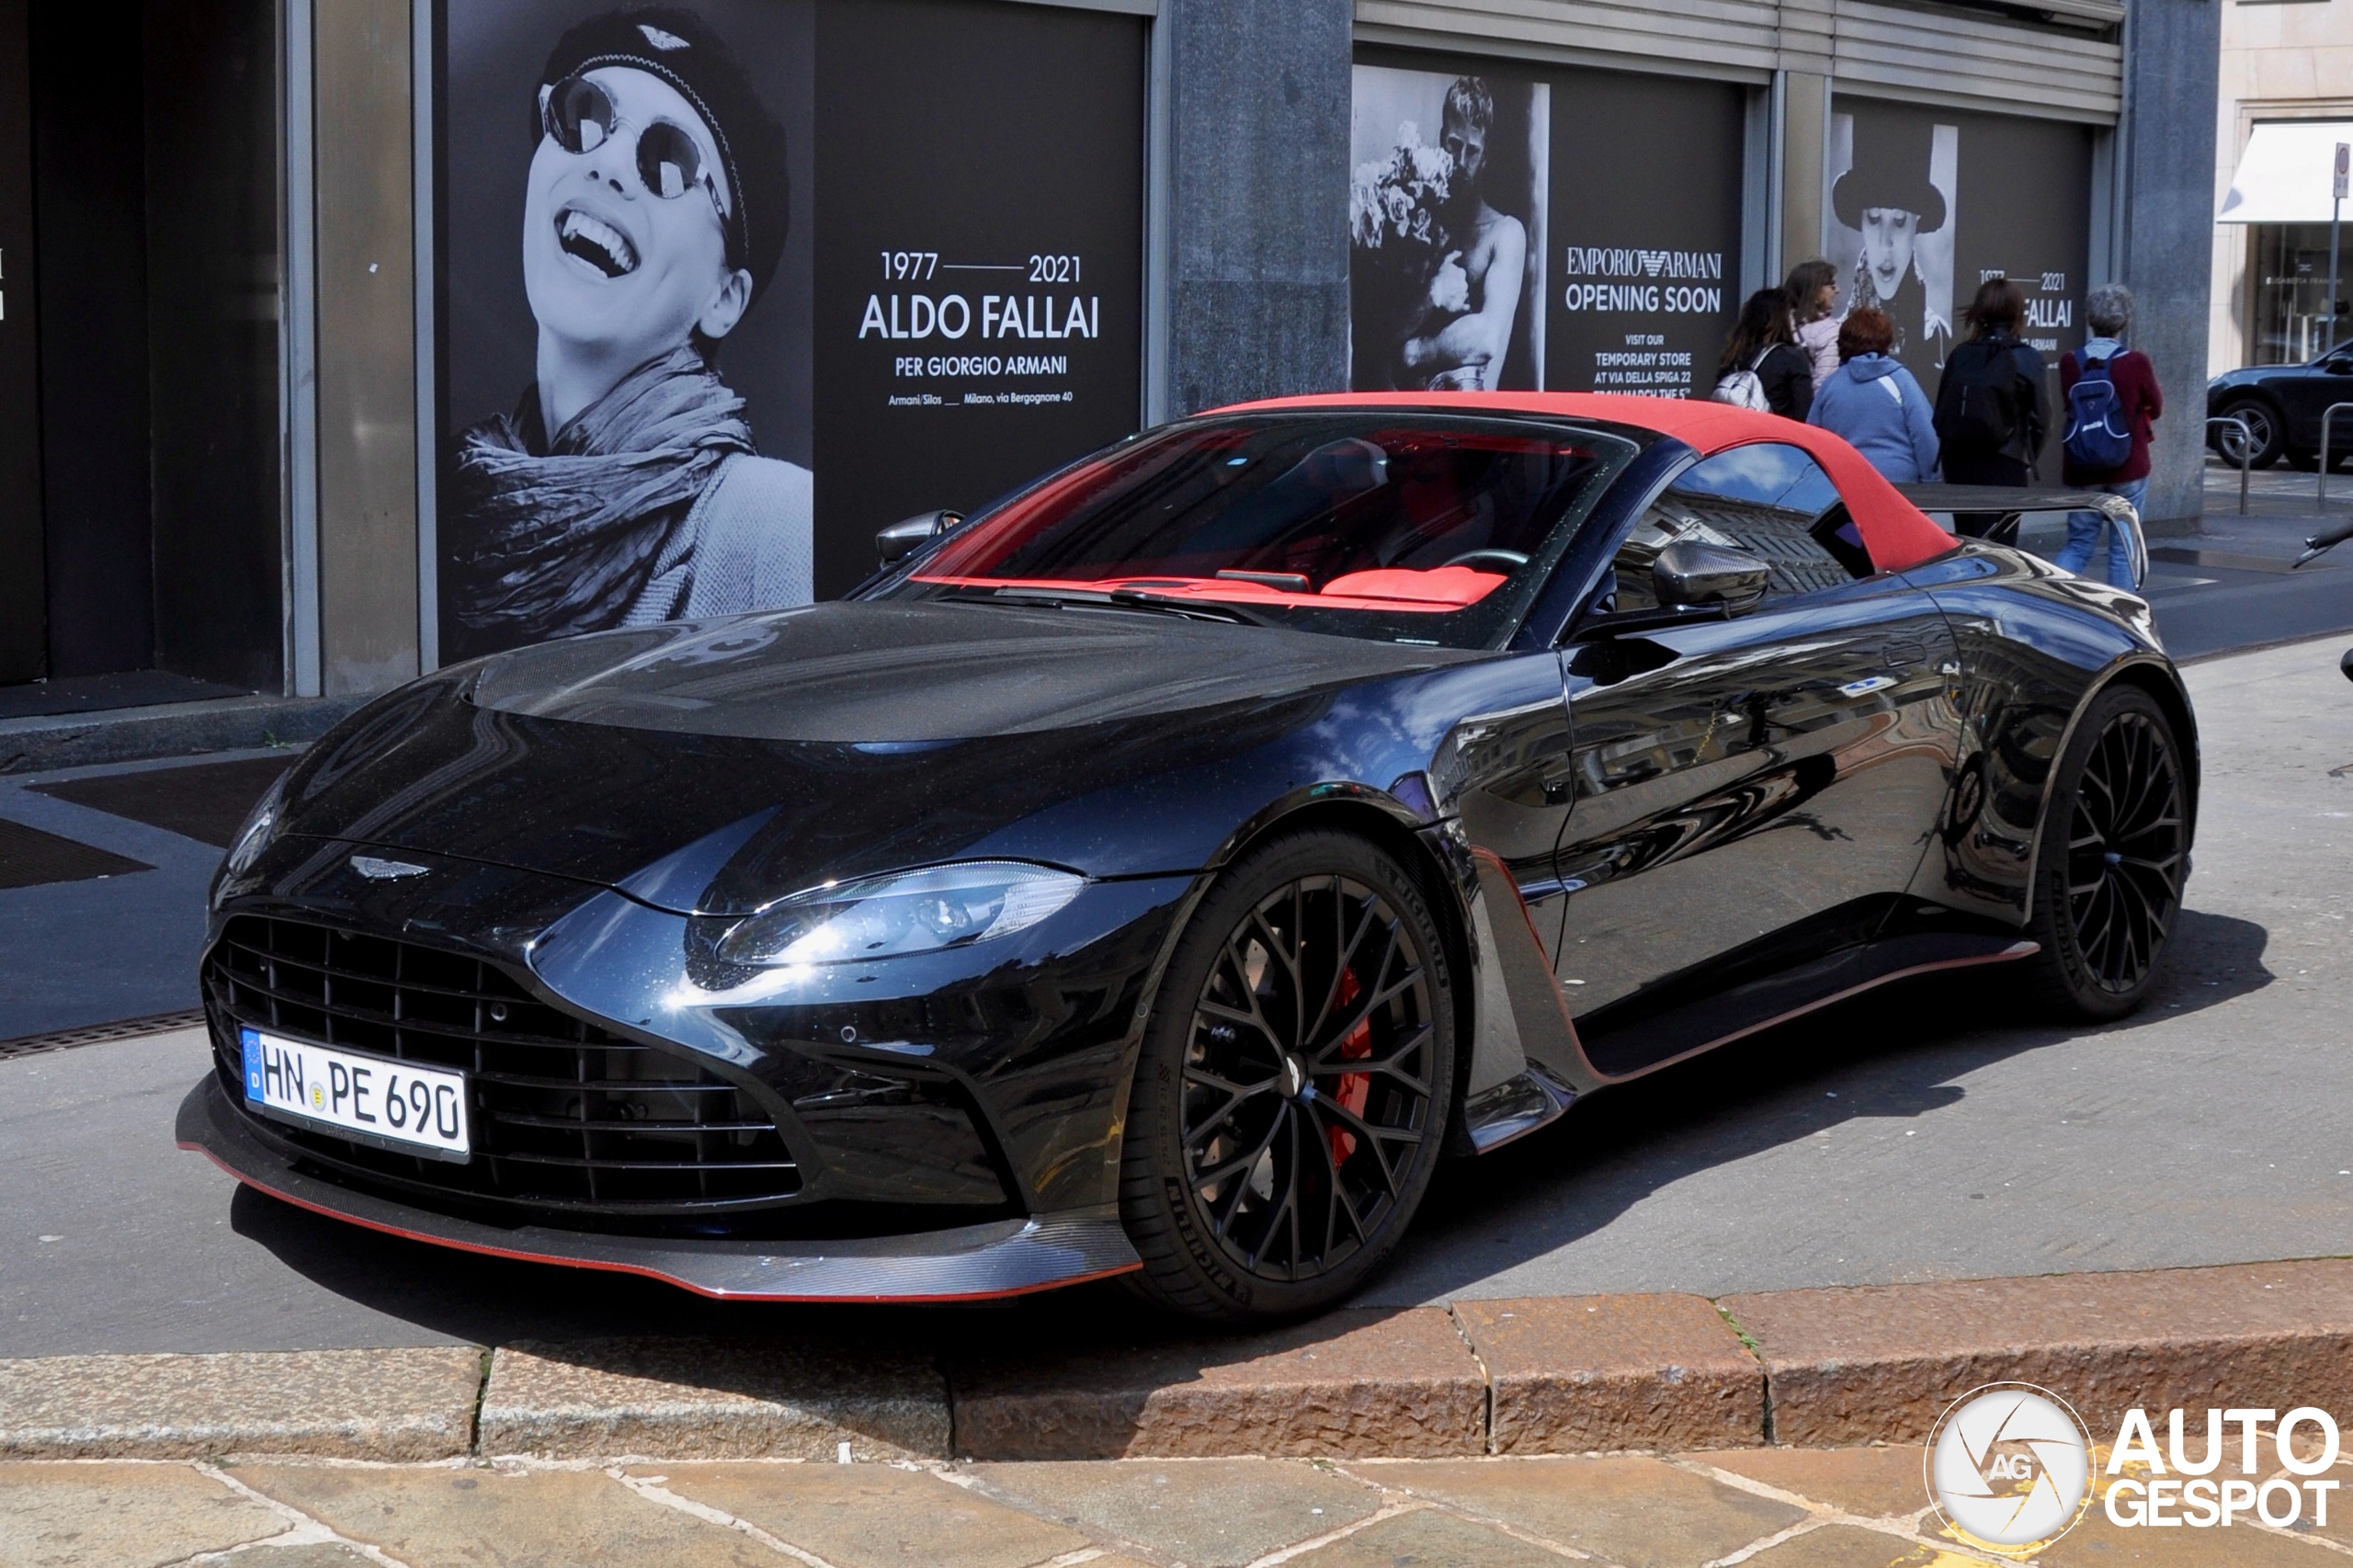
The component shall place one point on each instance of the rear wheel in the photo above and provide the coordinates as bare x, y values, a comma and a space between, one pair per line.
2115, 851
1293, 1087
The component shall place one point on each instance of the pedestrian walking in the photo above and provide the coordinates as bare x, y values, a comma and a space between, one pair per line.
1875, 403
1762, 366
2111, 394
1990, 416
1813, 290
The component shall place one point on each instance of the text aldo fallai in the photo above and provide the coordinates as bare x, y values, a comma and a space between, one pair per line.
2183, 1488
998, 316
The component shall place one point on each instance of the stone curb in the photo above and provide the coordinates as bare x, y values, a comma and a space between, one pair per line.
1815, 1368
365, 1405
41, 744
708, 1399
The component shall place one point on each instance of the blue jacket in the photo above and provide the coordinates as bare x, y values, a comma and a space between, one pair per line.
1895, 430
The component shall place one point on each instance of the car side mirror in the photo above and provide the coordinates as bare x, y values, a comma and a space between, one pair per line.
2337, 365
902, 539
1687, 572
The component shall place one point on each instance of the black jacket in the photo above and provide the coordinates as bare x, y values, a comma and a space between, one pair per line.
1787, 375
2026, 442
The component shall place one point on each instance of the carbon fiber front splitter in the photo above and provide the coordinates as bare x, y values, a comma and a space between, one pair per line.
1005, 1258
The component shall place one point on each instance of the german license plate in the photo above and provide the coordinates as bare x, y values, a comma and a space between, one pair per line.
371, 1099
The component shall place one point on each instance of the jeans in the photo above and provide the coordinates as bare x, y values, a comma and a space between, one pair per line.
2083, 530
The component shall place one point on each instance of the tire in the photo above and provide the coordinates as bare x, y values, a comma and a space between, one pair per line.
1263, 1178
2263, 422
2115, 850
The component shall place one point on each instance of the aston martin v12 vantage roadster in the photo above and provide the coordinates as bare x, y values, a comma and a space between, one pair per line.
1158, 872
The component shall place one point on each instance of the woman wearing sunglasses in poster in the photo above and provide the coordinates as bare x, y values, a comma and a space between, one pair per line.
625, 488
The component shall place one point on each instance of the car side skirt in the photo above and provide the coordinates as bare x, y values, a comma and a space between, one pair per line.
971, 1263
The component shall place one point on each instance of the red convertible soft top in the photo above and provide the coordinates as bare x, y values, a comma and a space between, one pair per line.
1897, 533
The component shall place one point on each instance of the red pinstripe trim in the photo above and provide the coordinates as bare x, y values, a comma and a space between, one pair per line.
605, 1266
2020, 949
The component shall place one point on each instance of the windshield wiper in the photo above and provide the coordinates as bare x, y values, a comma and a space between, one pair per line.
1112, 598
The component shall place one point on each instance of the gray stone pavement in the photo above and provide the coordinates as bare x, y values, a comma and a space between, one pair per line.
1925, 1133
1860, 1507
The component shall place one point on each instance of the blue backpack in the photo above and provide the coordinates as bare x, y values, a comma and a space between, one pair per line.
2098, 435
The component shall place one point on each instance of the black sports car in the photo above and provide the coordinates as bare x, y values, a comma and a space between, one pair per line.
1159, 872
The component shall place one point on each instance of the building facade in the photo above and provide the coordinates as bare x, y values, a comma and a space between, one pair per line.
407, 330
2285, 100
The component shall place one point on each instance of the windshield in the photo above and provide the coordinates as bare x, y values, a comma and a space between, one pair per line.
1427, 529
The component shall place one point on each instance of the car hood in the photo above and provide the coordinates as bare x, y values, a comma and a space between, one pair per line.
714, 767
911, 671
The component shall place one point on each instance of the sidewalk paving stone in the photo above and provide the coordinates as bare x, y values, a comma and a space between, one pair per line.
456, 1517
1205, 1513
1850, 1546
376, 1404
1573, 1374
713, 1398
1427, 1538
1630, 1510
864, 1516
113, 1516
1859, 1364
1353, 1382
1871, 1483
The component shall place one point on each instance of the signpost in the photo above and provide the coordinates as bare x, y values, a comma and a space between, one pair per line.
2336, 213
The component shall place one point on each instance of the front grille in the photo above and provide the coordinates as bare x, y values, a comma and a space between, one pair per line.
564, 1112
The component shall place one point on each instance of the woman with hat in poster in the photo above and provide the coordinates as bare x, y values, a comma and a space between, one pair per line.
1886, 196
625, 488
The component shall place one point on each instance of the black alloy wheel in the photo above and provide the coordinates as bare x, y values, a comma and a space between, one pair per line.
2113, 859
2265, 434
1294, 1084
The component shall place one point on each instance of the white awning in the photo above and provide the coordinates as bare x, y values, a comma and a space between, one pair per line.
2287, 173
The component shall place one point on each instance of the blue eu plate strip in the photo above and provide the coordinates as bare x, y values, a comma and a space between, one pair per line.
251, 1040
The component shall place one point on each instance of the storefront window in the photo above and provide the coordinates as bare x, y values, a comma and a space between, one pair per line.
2289, 282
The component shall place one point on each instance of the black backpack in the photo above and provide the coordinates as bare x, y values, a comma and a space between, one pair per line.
1978, 412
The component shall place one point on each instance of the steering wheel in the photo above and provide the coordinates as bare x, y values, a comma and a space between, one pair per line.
1511, 559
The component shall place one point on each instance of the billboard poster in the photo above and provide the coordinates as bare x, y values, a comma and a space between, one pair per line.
980, 254
1492, 245
1446, 196
1922, 204
709, 312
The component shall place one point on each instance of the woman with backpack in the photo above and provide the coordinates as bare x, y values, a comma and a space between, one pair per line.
1762, 366
2111, 394
1990, 416
1813, 290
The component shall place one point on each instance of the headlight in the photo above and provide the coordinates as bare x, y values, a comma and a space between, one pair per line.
906, 911
257, 831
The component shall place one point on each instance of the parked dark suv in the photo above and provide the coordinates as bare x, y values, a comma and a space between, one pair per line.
2283, 405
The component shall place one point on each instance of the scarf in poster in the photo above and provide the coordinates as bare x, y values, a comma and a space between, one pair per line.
562, 535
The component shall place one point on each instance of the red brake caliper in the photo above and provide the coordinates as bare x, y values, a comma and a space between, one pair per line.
1354, 1087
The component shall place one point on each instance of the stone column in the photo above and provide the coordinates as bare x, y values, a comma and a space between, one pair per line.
2166, 182
1259, 253
367, 345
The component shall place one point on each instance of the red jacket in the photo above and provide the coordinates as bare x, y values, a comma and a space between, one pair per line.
2137, 395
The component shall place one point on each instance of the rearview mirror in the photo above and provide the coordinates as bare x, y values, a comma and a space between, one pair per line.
1689, 573
902, 539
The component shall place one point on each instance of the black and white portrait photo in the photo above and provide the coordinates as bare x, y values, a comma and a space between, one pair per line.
1890, 223
1446, 230
625, 357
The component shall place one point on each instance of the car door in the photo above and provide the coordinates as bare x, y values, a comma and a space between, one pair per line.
1759, 788
2310, 392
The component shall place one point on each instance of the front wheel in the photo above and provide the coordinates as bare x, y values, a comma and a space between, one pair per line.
2264, 434
2114, 852
1293, 1086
